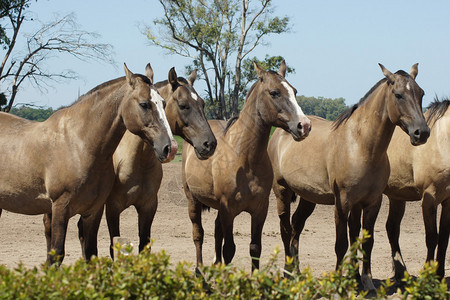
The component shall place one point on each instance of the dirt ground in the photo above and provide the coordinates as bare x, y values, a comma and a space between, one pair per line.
22, 237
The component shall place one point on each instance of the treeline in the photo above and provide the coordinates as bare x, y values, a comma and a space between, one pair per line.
326, 108
31, 113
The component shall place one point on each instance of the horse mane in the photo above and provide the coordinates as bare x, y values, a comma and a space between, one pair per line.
165, 82
230, 122
234, 119
103, 85
436, 110
344, 116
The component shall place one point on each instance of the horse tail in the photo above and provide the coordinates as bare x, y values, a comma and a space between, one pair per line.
294, 197
205, 207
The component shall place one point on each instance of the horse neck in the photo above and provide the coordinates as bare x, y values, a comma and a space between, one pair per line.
250, 134
371, 125
96, 121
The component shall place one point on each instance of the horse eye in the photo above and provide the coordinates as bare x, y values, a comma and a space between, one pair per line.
184, 106
398, 96
274, 93
144, 105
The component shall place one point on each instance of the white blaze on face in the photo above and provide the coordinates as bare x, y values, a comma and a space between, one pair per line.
158, 100
292, 99
194, 96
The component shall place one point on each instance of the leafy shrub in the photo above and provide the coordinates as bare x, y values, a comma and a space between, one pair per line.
151, 276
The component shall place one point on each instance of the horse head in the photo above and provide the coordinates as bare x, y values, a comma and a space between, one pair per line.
278, 105
185, 113
143, 114
404, 104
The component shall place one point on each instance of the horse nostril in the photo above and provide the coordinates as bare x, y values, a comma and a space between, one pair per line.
166, 150
417, 132
206, 145
299, 126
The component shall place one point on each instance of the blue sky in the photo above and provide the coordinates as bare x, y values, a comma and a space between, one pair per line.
334, 46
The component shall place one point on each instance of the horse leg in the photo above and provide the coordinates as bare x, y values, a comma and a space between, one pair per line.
112, 213
218, 238
88, 234
48, 230
229, 247
444, 229
60, 220
429, 212
284, 197
354, 228
396, 212
301, 214
195, 214
370, 215
258, 219
146, 214
341, 220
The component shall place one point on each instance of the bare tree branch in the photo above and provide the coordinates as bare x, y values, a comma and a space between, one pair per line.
61, 36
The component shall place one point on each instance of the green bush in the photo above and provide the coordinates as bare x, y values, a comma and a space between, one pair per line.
152, 276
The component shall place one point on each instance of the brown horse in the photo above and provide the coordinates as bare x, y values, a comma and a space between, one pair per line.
345, 163
238, 176
63, 166
421, 173
139, 172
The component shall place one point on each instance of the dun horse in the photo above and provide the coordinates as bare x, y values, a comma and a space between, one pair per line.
345, 163
421, 173
139, 172
238, 175
63, 166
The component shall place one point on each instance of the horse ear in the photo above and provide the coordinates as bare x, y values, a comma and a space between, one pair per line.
128, 75
259, 71
173, 78
414, 71
149, 72
282, 70
387, 73
192, 77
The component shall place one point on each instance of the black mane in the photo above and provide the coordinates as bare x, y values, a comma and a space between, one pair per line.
344, 116
436, 110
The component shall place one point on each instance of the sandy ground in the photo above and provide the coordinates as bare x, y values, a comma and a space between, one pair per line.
22, 237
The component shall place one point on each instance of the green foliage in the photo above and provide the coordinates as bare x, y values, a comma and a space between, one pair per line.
9, 8
326, 108
427, 285
217, 35
152, 276
34, 114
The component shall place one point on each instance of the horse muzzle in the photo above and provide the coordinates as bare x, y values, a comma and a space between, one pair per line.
206, 149
300, 130
169, 152
419, 136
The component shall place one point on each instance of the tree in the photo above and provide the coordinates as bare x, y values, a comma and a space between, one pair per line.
326, 108
60, 36
213, 32
32, 113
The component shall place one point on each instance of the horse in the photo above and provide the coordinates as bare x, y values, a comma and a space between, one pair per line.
238, 176
344, 163
139, 172
421, 173
63, 166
